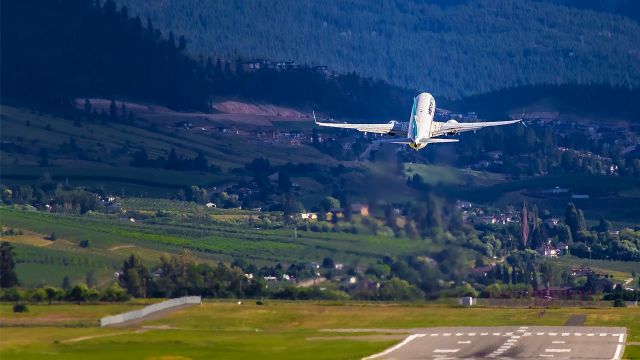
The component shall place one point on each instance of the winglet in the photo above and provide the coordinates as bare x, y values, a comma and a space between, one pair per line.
314, 116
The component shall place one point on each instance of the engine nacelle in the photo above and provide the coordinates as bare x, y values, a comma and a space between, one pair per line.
398, 128
452, 122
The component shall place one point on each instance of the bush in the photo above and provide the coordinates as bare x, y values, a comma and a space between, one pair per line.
14, 294
619, 303
38, 295
259, 302
81, 292
84, 243
20, 308
115, 293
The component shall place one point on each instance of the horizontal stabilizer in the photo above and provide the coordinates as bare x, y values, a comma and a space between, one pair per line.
435, 141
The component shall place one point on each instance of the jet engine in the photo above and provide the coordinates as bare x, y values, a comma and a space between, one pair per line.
398, 128
452, 122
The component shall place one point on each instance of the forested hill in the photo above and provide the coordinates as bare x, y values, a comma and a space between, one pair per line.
450, 47
53, 51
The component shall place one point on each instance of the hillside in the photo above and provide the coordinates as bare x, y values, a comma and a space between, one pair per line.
451, 48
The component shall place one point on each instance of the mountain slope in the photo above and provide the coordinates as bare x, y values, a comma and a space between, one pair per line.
465, 47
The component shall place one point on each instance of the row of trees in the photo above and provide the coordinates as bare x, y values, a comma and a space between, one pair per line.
45, 192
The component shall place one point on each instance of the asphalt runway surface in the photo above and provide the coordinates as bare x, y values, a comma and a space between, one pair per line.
525, 342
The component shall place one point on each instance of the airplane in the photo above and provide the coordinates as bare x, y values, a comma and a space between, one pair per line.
420, 130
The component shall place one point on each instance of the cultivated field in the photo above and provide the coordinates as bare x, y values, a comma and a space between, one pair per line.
222, 237
276, 330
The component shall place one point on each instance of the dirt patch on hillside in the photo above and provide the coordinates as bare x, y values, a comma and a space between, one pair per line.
237, 107
119, 247
225, 113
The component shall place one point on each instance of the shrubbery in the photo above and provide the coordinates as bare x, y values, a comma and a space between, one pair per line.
19, 308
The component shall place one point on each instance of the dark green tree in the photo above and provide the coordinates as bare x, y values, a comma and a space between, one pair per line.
8, 276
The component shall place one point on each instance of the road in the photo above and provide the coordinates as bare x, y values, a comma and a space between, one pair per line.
533, 342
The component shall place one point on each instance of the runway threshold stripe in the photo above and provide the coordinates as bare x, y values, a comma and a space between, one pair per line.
557, 342
395, 347
445, 350
616, 356
557, 350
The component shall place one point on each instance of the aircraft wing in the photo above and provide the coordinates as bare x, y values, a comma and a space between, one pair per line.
372, 128
453, 126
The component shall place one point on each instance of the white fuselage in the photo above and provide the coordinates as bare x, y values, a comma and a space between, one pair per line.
420, 123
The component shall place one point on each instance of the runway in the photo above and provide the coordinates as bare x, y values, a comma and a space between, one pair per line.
524, 342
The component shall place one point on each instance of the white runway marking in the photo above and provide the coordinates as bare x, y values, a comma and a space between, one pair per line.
557, 350
540, 333
557, 342
496, 334
546, 355
484, 334
446, 334
603, 334
396, 347
472, 334
435, 334
616, 356
591, 334
621, 338
459, 334
578, 334
553, 334
565, 334
464, 342
446, 350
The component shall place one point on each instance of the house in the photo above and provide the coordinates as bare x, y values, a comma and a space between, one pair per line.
467, 301
308, 216
211, 205
337, 212
360, 209
581, 271
487, 220
548, 251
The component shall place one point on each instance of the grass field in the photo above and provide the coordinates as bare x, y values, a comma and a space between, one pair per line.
447, 175
277, 330
107, 149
